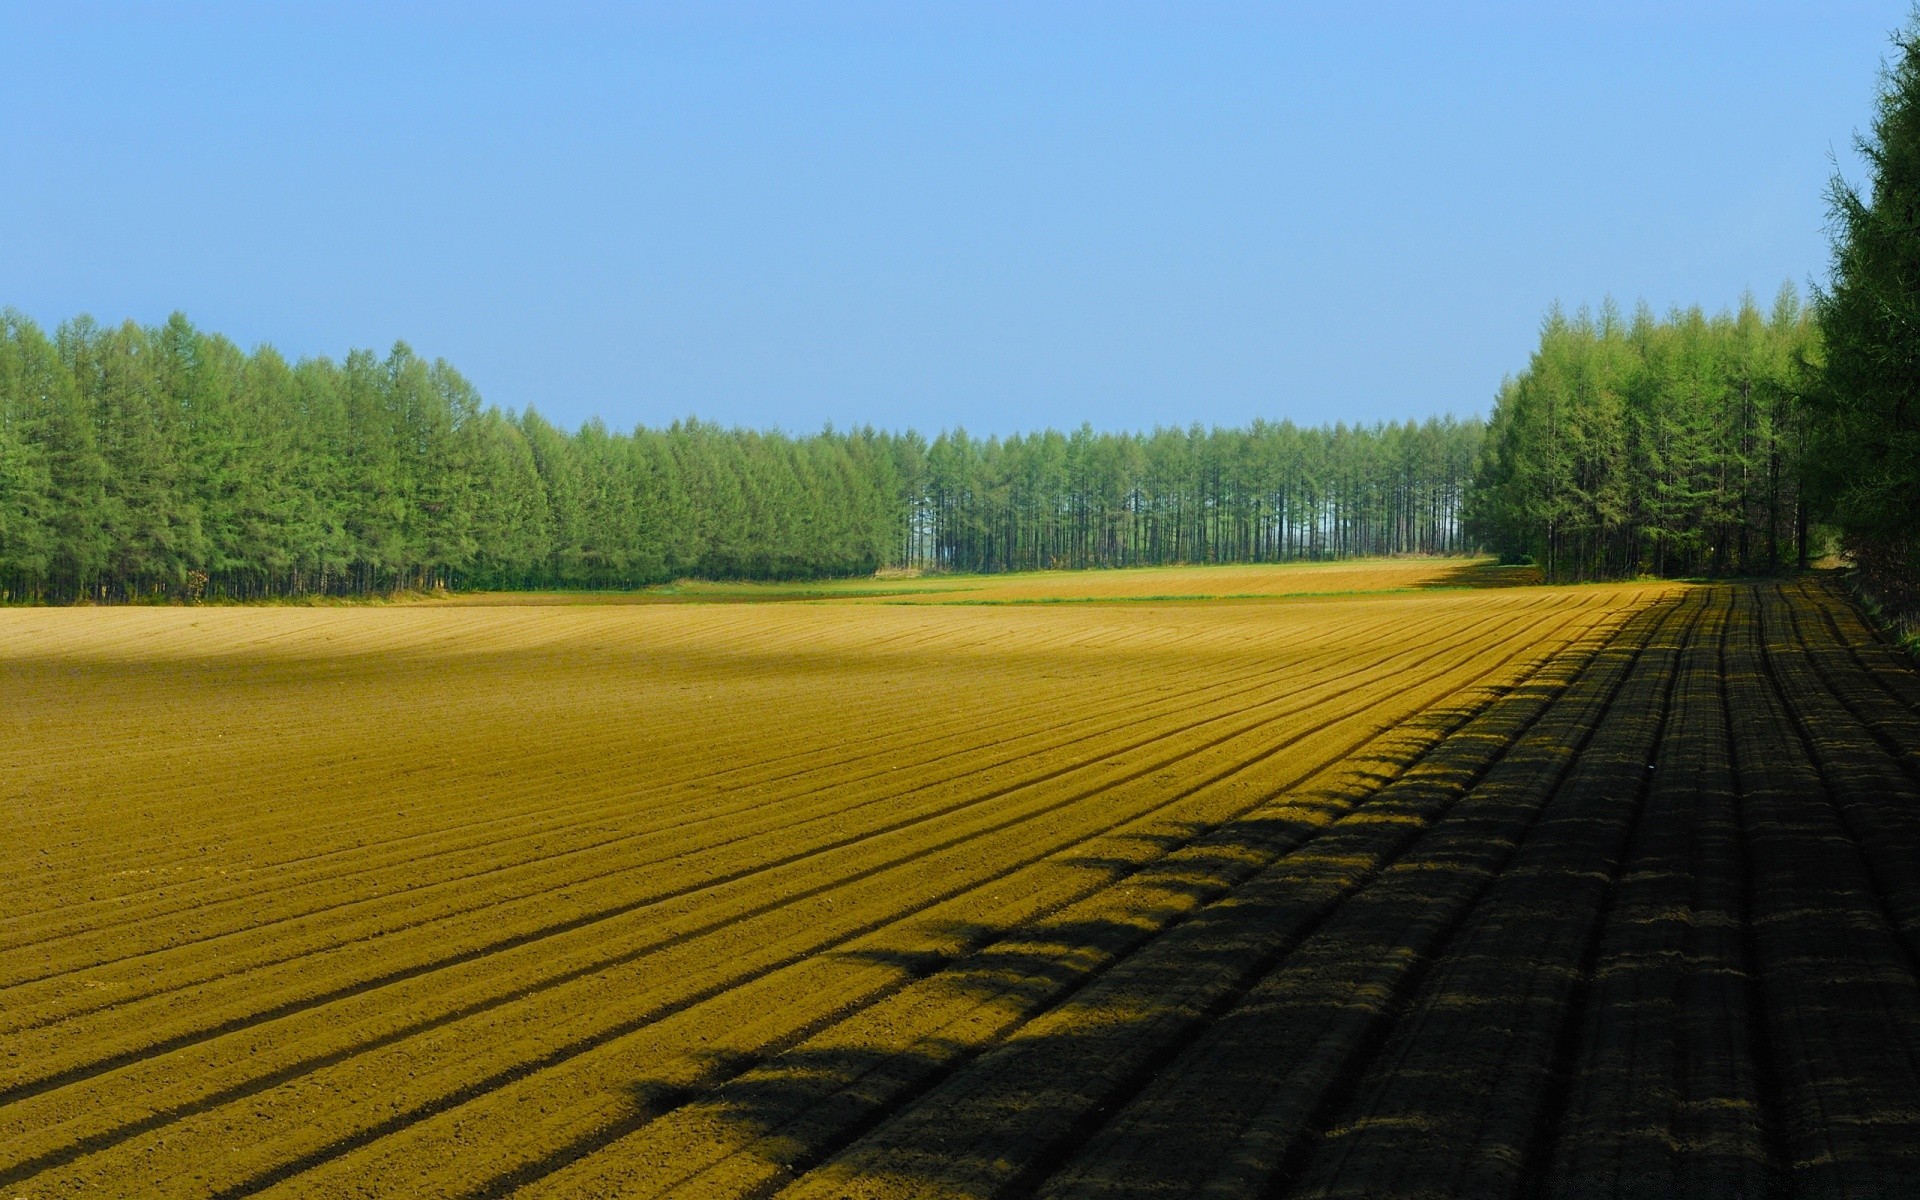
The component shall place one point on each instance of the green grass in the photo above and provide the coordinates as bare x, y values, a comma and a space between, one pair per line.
966, 588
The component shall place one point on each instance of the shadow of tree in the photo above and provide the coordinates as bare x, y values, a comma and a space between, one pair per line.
1206, 1020
1486, 575
987, 1066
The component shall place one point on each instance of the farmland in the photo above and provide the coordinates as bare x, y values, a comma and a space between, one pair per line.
1314, 881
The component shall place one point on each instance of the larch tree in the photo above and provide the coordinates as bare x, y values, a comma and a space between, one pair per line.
1863, 429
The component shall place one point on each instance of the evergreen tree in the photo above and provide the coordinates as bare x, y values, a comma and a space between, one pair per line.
1863, 429
26, 482
1653, 446
169, 463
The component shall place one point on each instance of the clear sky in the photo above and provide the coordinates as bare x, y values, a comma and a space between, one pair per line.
1002, 216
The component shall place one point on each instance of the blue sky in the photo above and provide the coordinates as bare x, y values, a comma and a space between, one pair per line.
1002, 216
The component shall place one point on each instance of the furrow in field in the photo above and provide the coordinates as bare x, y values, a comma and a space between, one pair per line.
1666, 1100
1453, 1102
443, 1149
1877, 802
1065, 728
1840, 1005
1759, 1048
699, 755
1015, 1109
221, 807
815, 916
342, 808
349, 817
1864, 691
1890, 667
692, 873
781, 1118
1238, 1107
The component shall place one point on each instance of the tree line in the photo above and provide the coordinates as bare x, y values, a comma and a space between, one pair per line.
1271, 492
1705, 445
1644, 445
168, 463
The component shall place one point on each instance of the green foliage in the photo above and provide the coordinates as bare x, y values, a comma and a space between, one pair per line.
168, 463
1267, 493
1666, 447
1863, 460
26, 479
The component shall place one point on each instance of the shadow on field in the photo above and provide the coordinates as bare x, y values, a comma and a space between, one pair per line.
1195, 1028
999, 1052
967, 1015
1486, 575
994, 1055
1226, 1018
1040, 1039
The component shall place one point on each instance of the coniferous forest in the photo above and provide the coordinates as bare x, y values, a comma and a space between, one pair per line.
169, 463
1696, 445
1644, 445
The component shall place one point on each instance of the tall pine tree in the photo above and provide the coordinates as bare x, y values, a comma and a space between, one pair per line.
1863, 458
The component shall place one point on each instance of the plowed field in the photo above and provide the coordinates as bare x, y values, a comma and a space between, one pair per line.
1598, 891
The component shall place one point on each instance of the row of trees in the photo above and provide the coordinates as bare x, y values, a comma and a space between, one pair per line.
1267, 493
167, 462
1697, 445
1669, 446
